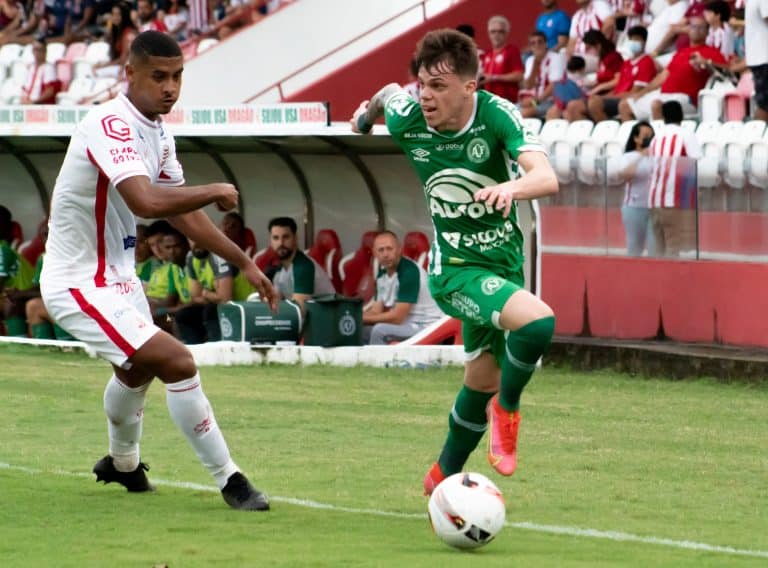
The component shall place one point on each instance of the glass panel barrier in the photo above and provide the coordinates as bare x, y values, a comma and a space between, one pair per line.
670, 207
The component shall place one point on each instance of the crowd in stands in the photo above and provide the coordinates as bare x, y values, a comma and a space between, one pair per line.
45, 45
624, 58
185, 283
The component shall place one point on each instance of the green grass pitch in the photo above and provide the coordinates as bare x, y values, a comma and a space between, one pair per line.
663, 473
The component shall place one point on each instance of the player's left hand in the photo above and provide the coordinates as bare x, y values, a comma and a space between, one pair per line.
262, 284
497, 196
360, 110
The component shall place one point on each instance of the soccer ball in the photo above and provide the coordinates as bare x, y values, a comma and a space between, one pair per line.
466, 510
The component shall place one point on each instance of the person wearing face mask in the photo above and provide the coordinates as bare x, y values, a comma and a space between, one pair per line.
636, 172
635, 74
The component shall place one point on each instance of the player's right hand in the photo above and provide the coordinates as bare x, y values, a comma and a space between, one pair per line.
360, 110
227, 196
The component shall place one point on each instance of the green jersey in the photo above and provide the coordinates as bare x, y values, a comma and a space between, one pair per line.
453, 166
14, 268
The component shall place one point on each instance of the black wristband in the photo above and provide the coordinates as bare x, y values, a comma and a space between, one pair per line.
363, 125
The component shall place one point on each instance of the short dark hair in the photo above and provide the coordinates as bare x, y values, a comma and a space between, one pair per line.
672, 112
154, 44
455, 49
720, 8
538, 33
283, 222
638, 31
161, 227
576, 63
466, 29
596, 37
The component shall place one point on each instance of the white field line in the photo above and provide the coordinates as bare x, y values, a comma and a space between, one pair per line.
535, 527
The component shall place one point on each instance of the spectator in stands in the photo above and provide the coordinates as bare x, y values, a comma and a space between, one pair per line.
672, 197
15, 276
120, 35
756, 43
11, 19
30, 26
543, 69
555, 24
681, 81
41, 85
151, 239
168, 289
211, 282
636, 172
146, 14
635, 73
176, 19
593, 15
233, 225
665, 27
299, 277
502, 66
403, 305
609, 60
571, 88
720, 34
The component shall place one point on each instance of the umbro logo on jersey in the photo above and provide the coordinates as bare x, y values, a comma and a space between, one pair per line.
420, 154
116, 128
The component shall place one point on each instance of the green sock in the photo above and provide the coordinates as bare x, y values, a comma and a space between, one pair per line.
16, 326
60, 334
466, 426
42, 330
524, 346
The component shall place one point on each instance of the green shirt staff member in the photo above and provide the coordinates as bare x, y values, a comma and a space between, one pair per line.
467, 147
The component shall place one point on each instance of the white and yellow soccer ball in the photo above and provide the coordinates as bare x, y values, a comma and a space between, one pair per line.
466, 510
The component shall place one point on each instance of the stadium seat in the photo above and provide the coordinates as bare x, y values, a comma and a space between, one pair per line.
265, 258
757, 160
689, 124
9, 53
735, 138
552, 130
27, 55
96, 52
356, 270
249, 244
591, 151
206, 44
416, 247
533, 124
189, 49
18, 70
708, 165
55, 51
10, 91
79, 88
710, 105
327, 253
564, 149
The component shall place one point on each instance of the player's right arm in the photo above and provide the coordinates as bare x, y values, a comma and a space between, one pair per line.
155, 201
368, 112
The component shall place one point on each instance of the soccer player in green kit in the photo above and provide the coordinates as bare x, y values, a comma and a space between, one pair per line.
467, 146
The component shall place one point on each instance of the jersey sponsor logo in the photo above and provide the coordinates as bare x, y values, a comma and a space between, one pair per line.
116, 128
478, 150
491, 285
449, 147
490, 238
453, 239
466, 306
423, 135
129, 242
451, 193
420, 154
124, 288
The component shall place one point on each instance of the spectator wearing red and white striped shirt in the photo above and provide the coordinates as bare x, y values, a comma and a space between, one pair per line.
593, 15
198, 16
672, 192
720, 34
41, 84
542, 70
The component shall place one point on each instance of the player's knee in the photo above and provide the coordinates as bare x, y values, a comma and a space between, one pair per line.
181, 367
535, 336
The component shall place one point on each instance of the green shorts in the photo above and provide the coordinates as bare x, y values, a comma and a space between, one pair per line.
477, 297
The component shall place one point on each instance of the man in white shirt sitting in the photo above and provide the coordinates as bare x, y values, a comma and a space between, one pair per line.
42, 84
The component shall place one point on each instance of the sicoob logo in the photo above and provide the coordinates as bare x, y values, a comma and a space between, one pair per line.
116, 128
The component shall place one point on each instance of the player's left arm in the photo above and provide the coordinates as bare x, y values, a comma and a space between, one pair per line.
396, 315
539, 181
198, 226
368, 112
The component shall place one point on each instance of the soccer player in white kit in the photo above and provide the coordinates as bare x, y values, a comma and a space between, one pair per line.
122, 161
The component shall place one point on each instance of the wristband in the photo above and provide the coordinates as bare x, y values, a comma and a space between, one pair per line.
363, 125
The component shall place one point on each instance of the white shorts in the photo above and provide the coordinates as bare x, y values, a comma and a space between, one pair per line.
115, 321
641, 107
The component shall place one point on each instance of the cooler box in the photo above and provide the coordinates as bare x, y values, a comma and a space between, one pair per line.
333, 321
254, 322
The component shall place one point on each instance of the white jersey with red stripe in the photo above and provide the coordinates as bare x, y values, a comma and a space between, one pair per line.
591, 17
92, 234
673, 152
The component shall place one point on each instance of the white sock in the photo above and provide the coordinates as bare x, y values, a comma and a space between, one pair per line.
125, 412
192, 413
